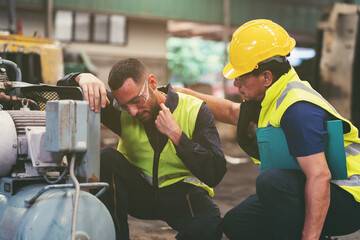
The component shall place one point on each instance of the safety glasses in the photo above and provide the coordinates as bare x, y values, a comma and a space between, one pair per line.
138, 101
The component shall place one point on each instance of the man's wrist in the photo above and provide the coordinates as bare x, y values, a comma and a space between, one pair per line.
307, 237
175, 136
78, 77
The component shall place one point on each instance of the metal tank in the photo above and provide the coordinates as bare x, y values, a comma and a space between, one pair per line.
50, 216
8, 143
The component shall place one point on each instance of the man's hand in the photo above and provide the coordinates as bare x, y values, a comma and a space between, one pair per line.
94, 91
167, 125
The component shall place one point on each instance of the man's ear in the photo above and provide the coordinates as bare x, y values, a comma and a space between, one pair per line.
268, 78
152, 81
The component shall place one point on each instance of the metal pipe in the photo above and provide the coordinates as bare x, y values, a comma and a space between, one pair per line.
60, 178
226, 35
104, 186
12, 16
102, 190
49, 25
14, 66
77, 194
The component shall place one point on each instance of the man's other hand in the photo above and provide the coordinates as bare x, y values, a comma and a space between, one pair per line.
167, 125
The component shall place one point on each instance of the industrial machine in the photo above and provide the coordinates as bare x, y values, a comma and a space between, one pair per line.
49, 164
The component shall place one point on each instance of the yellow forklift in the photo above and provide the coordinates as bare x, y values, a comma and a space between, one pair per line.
39, 59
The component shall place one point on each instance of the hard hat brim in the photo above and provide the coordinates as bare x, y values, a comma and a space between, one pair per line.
229, 72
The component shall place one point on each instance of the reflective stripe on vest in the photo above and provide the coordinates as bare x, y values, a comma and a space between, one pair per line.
352, 150
353, 181
299, 85
164, 178
183, 177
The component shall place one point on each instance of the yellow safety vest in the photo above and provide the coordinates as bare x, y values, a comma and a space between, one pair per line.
135, 146
288, 90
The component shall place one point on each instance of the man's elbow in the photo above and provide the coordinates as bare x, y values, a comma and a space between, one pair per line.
217, 176
326, 176
322, 176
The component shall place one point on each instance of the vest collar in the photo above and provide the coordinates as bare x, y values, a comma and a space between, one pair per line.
276, 88
172, 97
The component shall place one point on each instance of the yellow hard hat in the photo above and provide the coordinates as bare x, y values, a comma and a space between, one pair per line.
254, 42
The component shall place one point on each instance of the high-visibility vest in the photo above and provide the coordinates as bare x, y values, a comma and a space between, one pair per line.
135, 146
289, 89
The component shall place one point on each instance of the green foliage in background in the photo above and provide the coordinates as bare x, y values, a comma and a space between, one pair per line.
190, 59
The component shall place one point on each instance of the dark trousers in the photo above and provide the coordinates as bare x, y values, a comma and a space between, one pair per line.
277, 210
186, 208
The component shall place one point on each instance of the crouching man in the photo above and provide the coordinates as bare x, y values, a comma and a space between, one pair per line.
168, 157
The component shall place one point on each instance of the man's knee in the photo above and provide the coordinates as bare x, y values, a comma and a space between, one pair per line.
236, 226
246, 222
109, 155
230, 224
207, 228
111, 159
114, 166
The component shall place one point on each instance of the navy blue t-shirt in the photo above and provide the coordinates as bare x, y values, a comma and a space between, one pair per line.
304, 125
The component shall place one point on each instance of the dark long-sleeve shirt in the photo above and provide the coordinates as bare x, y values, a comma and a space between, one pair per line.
202, 154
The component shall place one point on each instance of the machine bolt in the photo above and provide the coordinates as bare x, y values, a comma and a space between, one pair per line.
80, 235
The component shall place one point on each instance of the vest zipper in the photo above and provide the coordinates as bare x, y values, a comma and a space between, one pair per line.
155, 173
156, 170
115, 202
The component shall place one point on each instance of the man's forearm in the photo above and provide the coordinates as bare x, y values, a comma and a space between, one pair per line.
68, 80
224, 110
317, 201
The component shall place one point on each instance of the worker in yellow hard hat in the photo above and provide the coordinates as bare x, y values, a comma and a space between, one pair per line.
300, 202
